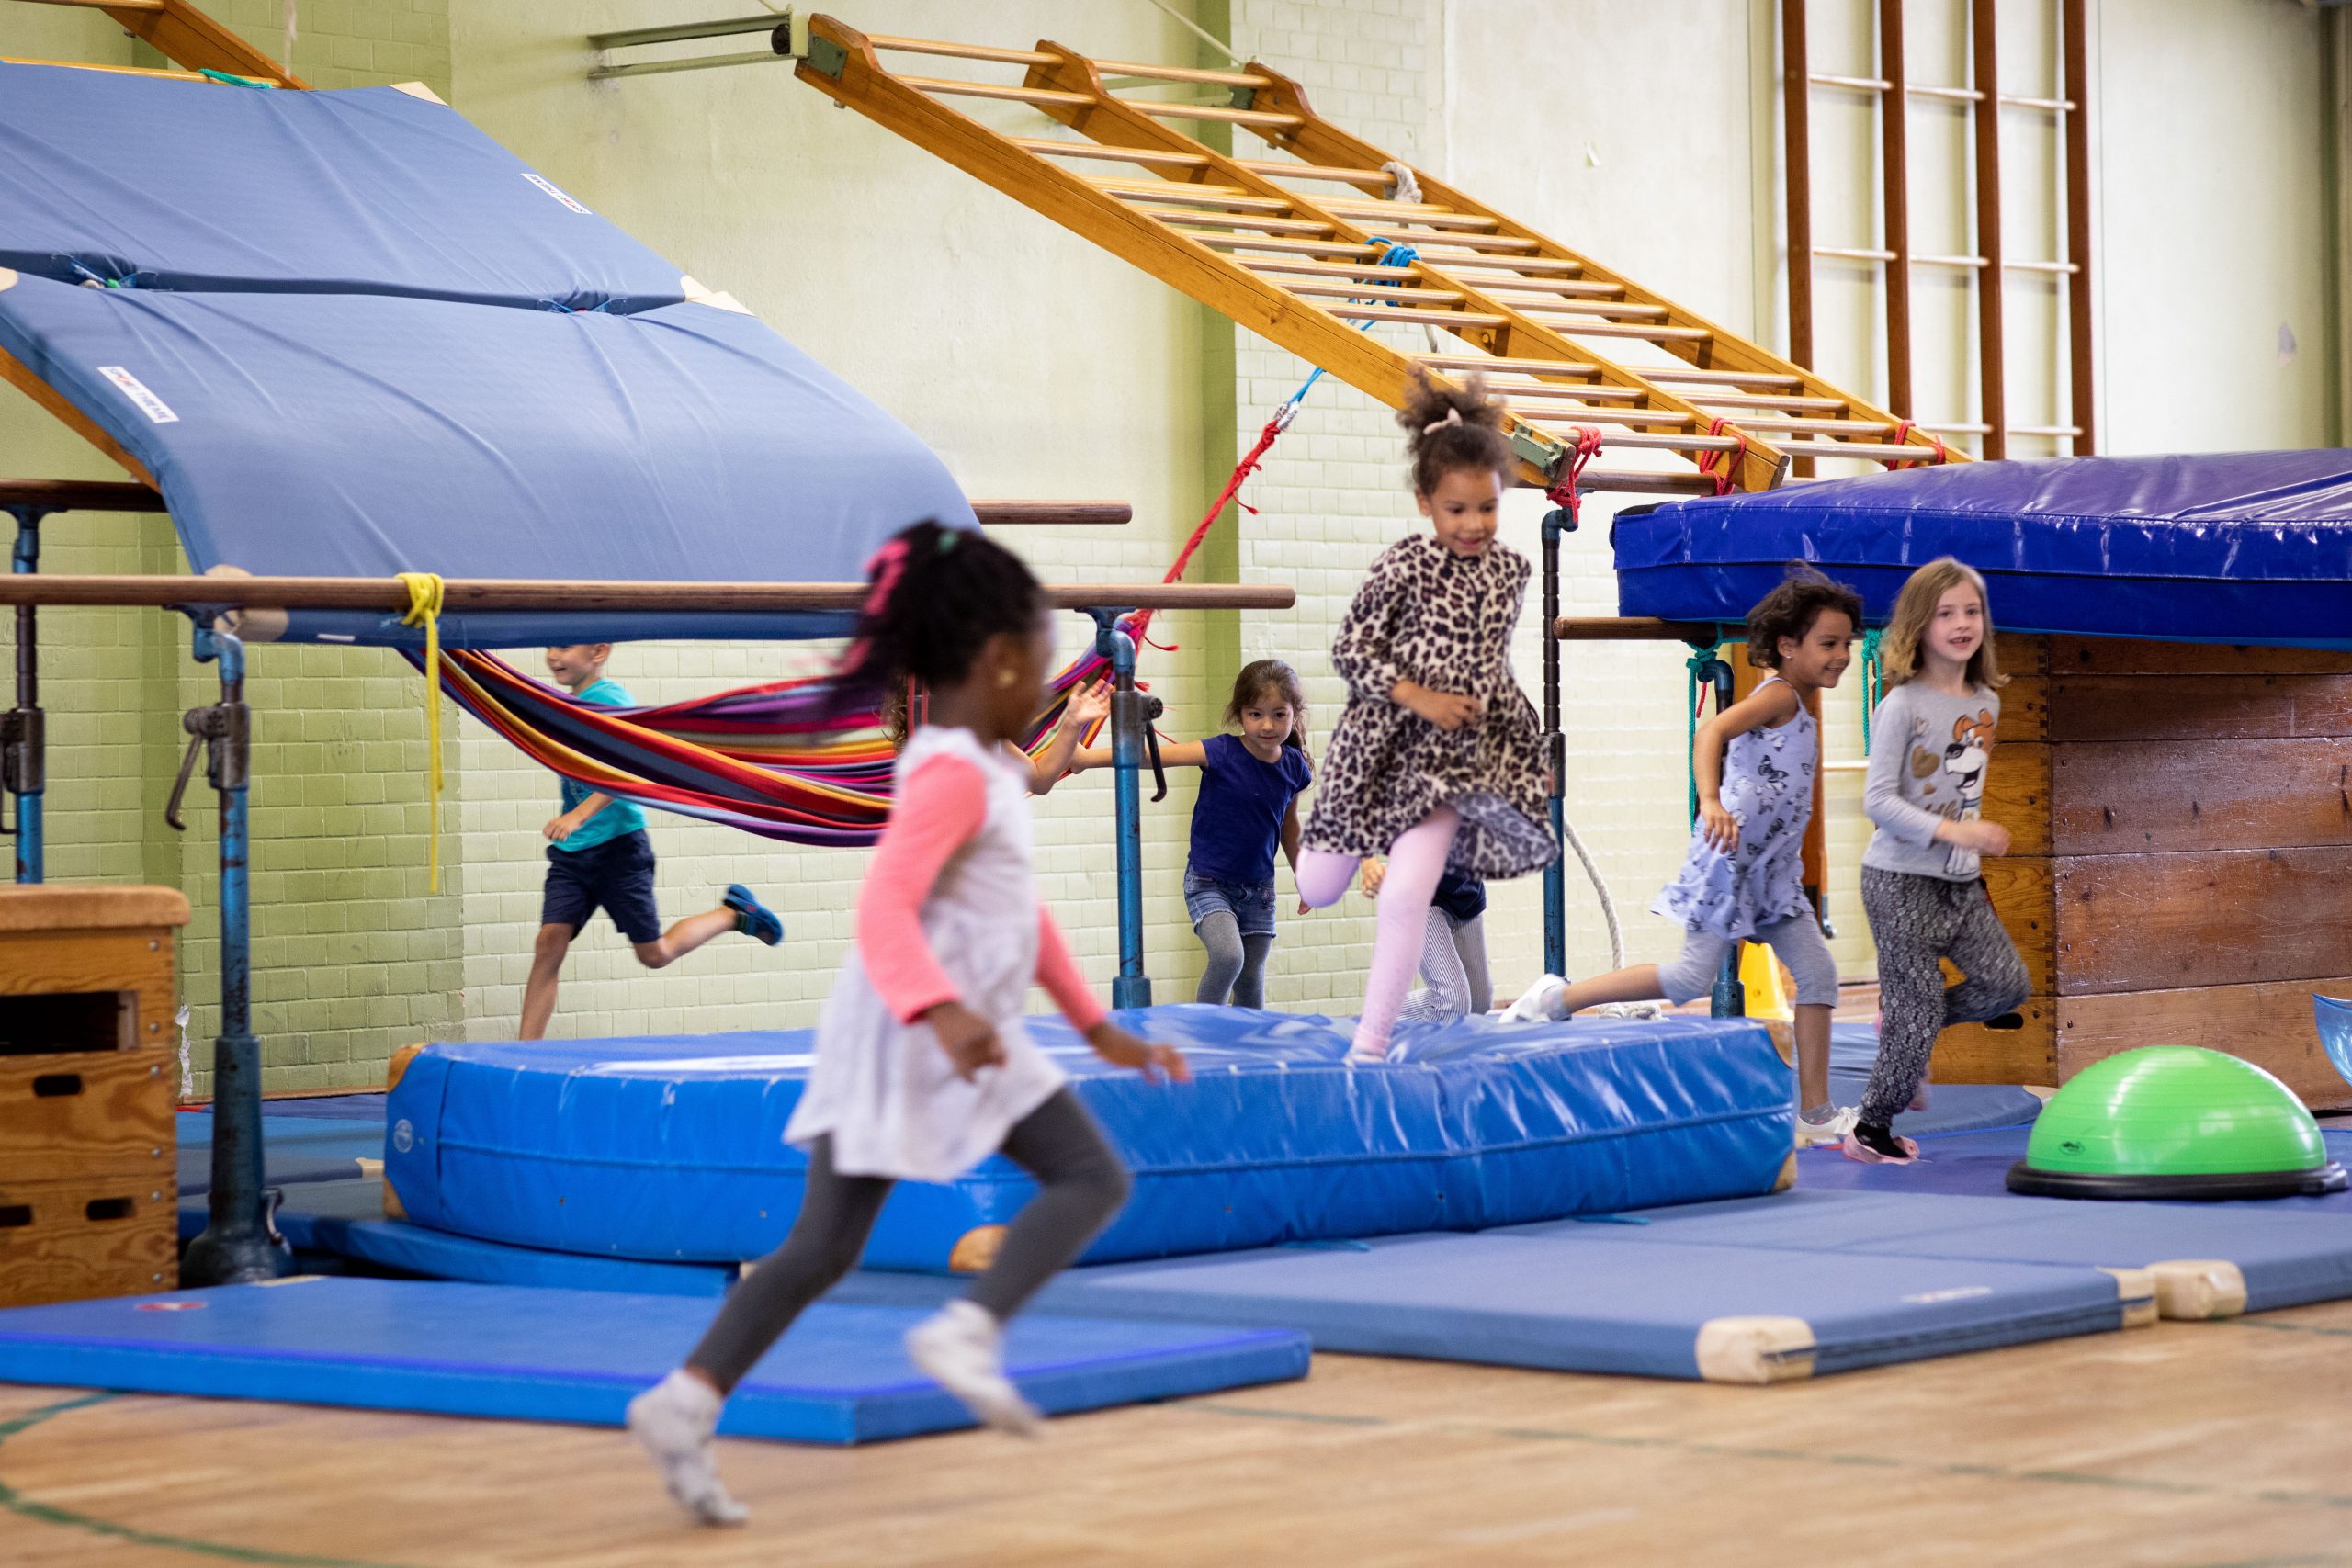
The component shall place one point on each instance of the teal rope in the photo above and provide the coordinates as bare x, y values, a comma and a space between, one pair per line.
1697, 664
1874, 681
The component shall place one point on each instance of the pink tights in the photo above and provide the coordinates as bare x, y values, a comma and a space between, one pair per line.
1416, 861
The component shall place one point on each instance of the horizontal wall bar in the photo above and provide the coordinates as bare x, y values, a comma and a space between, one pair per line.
460, 594
680, 32
1633, 628
79, 495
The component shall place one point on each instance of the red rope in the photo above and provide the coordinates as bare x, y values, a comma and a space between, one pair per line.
1903, 430
1708, 460
1241, 472
1562, 490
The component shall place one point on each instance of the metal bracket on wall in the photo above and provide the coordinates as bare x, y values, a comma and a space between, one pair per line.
787, 40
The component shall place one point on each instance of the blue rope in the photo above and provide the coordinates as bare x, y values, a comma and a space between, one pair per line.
1387, 253
95, 280
1697, 664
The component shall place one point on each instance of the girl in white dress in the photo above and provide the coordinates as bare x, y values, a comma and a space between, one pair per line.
922, 1067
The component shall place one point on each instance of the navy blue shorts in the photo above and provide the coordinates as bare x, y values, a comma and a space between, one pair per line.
616, 875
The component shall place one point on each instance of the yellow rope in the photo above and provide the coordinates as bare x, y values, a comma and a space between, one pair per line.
425, 591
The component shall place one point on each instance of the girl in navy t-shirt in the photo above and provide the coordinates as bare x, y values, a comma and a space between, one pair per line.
1248, 805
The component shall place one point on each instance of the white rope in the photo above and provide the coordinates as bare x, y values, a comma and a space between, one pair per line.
1199, 31
1601, 888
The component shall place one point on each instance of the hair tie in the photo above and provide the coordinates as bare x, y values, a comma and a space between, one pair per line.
1453, 416
883, 566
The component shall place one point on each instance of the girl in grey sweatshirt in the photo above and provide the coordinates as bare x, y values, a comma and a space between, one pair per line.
1932, 744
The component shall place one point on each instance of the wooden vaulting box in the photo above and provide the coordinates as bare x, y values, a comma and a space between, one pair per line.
88, 1189
2182, 863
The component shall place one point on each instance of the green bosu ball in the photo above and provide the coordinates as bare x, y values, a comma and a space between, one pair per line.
2174, 1121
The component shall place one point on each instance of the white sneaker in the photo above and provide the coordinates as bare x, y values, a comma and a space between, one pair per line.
1833, 1130
962, 1347
1540, 1003
672, 1421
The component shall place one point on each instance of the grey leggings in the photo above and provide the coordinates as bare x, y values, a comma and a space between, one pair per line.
1916, 921
1797, 943
1237, 966
1454, 981
1080, 1184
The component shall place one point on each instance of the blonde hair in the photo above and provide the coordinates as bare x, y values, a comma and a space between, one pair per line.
1914, 610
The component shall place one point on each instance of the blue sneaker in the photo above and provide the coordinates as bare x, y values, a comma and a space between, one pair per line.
752, 917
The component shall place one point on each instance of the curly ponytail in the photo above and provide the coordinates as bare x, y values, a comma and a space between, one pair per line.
935, 596
1447, 428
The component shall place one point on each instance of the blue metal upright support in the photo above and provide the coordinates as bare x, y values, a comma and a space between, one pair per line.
1130, 722
240, 1242
1556, 522
1729, 999
24, 761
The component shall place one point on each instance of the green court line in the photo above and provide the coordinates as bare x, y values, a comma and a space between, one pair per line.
17, 1502
1970, 1470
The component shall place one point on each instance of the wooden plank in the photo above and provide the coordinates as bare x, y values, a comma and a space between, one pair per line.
1992, 344
1797, 130
2017, 795
60, 906
2199, 708
2022, 653
2138, 797
79, 495
54, 1246
2267, 1023
2214, 918
186, 35
2020, 887
2025, 712
88, 1114
1969, 1053
2133, 656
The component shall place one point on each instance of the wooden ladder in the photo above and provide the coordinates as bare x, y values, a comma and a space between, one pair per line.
187, 38
1272, 245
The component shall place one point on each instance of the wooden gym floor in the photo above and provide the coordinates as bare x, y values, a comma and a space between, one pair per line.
2184, 1446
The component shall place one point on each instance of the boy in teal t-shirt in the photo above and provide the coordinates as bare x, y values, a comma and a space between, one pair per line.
599, 856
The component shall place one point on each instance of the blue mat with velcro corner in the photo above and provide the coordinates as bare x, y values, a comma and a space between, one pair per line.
670, 1149
1589, 1298
840, 1375
2274, 1255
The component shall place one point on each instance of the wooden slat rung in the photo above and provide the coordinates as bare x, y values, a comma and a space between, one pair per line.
1539, 288
1574, 326
1636, 441
1190, 195
1762, 401
1266, 118
1195, 219
1863, 451
947, 51
1579, 414
1552, 391
1798, 426
1427, 216
951, 87
1618, 309
1239, 241
1739, 378
1422, 239
1370, 270
1182, 74
1455, 319
1053, 147
1374, 179
1339, 290
1504, 364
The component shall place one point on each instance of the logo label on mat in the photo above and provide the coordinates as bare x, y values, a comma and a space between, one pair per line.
403, 1136
548, 186
131, 387
1957, 1293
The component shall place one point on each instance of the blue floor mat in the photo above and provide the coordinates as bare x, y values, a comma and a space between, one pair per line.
1951, 1108
1600, 1301
1978, 1165
839, 1376
2249, 1257
367, 1107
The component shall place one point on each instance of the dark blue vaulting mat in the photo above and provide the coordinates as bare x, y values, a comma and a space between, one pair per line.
670, 1149
1951, 1108
1595, 1298
357, 435
193, 186
839, 1376
2233, 547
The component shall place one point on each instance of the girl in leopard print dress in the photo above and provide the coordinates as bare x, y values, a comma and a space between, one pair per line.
1437, 762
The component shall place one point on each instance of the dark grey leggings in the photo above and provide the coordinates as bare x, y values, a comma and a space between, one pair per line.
1237, 966
1915, 920
1080, 1184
